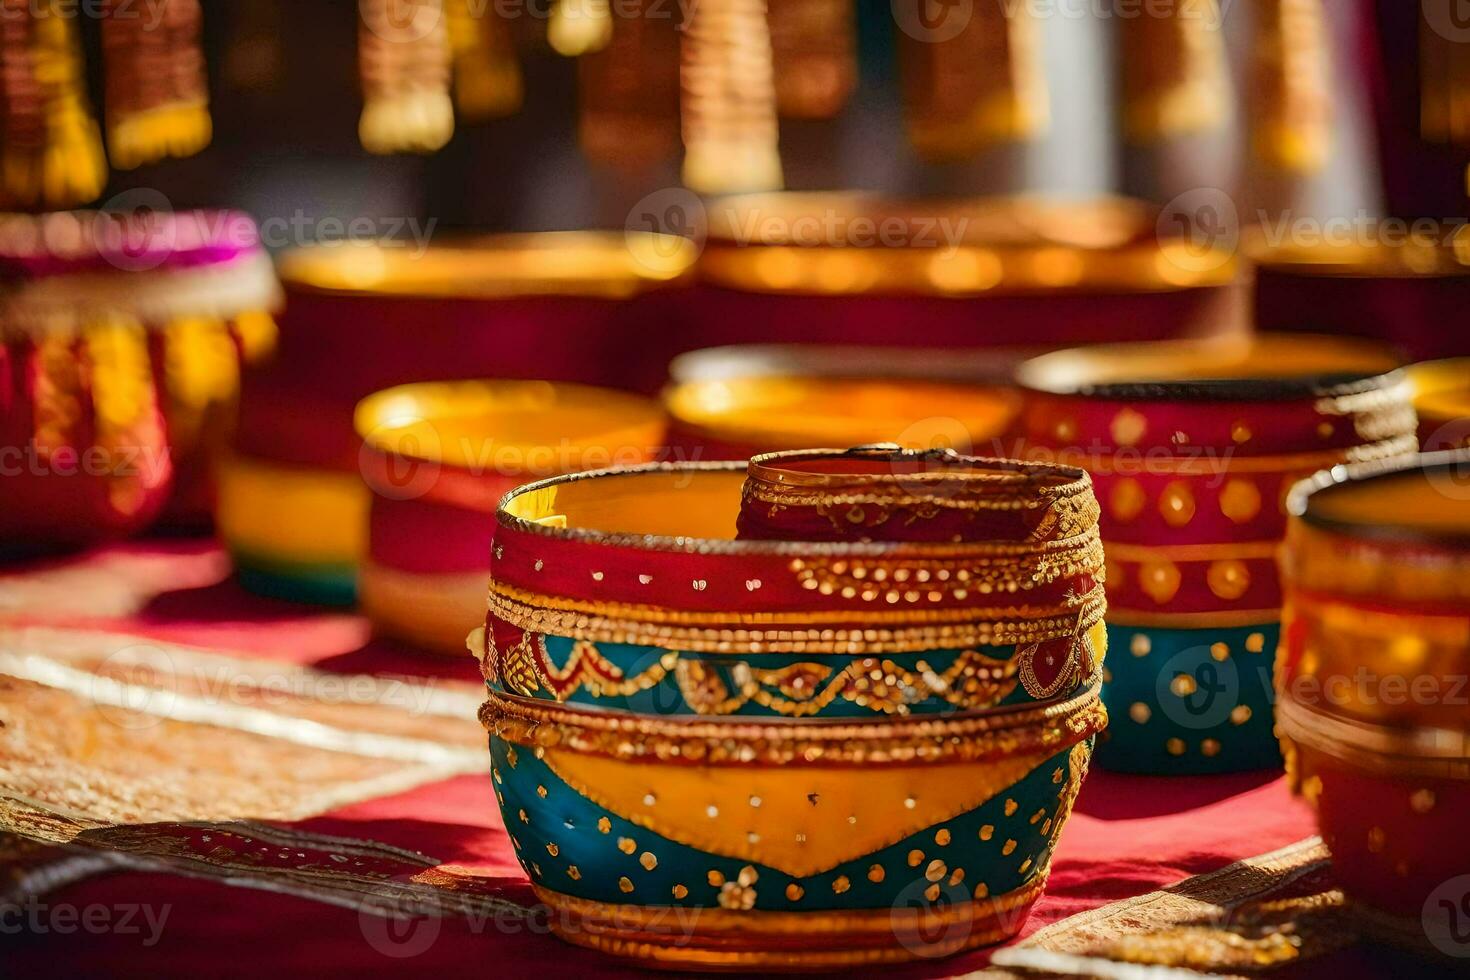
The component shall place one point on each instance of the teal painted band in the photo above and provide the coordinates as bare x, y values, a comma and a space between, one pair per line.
735, 675
561, 831
328, 585
1189, 702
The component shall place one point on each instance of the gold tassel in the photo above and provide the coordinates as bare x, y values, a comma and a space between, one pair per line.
487, 74
579, 27
157, 95
728, 100
1175, 78
50, 143
813, 49
403, 57
970, 87
1292, 114
628, 93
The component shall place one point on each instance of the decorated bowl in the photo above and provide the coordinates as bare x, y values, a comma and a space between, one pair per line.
363, 317
1372, 706
1193, 447
438, 456
721, 754
855, 268
1398, 282
124, 336
738, 402
889, 494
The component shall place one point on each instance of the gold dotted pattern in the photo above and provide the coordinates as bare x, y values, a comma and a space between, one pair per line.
1176, 504
1160, 580
1228, 579
1126, 500
1240, 501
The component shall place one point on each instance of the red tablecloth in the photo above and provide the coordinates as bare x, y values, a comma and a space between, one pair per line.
194, 780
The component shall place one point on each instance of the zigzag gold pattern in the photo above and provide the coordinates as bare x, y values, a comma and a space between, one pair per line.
973, 680
799, 690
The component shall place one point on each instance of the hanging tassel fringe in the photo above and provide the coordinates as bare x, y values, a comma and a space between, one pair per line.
728, 103
404, 60
50, 144
982, 86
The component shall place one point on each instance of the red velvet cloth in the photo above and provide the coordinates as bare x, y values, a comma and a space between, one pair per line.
1129, 834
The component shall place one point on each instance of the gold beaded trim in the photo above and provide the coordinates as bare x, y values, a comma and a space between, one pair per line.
919, 579
966, 737
538, 614
847, 511
1431, 752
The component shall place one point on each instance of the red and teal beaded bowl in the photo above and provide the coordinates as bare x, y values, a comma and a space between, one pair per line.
715, 754
1193, 447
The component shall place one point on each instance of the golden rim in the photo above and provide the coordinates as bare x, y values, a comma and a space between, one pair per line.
685, 544
1307, 500
971, 736
855, 243
1030, 625
1259, 367
493, 419
566, 263
977, 472
1433, 752
1436, 250
728, 939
